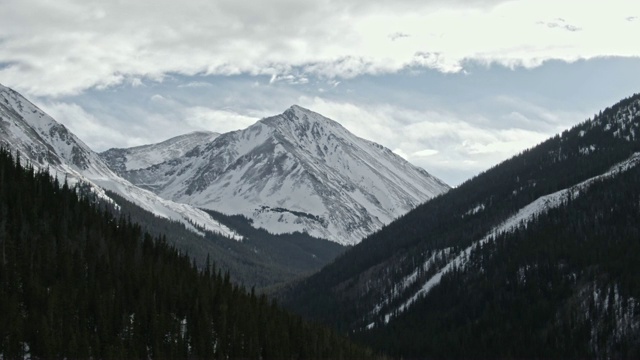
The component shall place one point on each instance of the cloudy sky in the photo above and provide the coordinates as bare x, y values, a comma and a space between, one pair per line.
453, 86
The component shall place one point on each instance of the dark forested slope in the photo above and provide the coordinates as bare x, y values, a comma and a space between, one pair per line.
565, 284
259, 260
395, 272
75, 282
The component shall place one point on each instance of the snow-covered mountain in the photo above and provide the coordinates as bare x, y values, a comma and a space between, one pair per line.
47, 144
298, 171
142, 157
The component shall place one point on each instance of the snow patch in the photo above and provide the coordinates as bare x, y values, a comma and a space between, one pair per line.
540, 205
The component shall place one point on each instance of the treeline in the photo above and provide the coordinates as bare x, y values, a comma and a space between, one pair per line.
298, 254
260, 260
77, 282
565, 285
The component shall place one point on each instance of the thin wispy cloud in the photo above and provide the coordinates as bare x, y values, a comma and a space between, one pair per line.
560, 24
398, 35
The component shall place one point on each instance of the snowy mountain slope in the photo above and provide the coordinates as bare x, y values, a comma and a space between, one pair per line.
141, 157
47, 144
297, 171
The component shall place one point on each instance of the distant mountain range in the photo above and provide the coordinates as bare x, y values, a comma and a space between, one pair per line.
294, 172
538, 257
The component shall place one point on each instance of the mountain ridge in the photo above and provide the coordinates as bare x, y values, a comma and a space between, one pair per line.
384, 283
47, 144
147, 155
322, 179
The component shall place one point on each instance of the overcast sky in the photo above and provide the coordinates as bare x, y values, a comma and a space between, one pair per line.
453, 86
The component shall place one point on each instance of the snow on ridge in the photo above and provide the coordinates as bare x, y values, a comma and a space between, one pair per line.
382, 155
144, 156
47, 144
167, 209
297, 171
539, 206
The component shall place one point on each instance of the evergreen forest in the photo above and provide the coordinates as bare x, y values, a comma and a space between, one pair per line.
261, 260
564, 284
78, 282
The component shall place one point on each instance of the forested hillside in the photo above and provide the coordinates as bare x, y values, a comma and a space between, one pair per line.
566, 284
448, 271
260, 260
76, 282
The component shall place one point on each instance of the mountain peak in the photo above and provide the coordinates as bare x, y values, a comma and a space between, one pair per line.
296, 107
296, 171
297, 112
301, 119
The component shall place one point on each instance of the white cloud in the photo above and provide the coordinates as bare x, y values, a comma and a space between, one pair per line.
401, 153
159, 99
68, 46
220, 121
425, 153
195, 84
102, 131
88, 128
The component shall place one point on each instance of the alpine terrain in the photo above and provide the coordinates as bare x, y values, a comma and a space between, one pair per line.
254, 257
47, 144
145, 156
538, 257
294, 172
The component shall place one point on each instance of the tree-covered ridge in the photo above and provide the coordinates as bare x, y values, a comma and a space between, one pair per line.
371, 271
564, 285
76, 282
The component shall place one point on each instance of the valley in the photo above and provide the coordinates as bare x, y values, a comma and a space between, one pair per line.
536, 256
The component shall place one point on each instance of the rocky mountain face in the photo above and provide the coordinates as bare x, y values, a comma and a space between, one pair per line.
297, 171
536, 257
49, 145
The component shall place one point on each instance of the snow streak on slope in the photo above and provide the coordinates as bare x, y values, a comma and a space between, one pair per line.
48, 145
297, 171
539, 206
